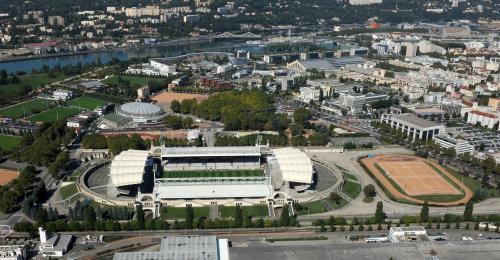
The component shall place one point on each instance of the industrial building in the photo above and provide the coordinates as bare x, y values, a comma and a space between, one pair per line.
408, 234
13, 252
328, 64
183, 247
413, 126
55, 246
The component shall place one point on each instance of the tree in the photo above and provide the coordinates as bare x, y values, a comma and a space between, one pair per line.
379, 212
175, 106
238, 216
89, 218
369, 190
424, 212
469, 207
302, 115
335, 197
189, 216
140, 217
285, 216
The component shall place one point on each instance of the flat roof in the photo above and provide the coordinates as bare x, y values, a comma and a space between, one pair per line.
179, 152
213, 191
417, 121
183, 248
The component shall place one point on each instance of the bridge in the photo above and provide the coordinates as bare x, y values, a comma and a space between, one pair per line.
228, 35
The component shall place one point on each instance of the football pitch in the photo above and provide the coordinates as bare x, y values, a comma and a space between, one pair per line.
26, 108
54, 114
85, 102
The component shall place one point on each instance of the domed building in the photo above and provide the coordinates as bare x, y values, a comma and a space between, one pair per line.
140, 112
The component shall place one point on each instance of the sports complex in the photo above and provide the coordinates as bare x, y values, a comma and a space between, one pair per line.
409, 178
175, 177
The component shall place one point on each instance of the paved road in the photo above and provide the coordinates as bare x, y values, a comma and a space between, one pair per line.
393, 209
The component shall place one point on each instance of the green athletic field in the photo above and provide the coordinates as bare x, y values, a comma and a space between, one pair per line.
27, 108
9, 142
133, 80
54, 114
86, 102
201, 174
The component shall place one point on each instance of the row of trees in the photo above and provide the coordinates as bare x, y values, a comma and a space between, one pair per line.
115, 144
179, 122
13, 193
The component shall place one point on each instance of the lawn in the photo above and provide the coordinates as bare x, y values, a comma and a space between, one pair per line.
27, 108
351, 189
254, 211
86, 102
312, 208
133, 80
180, 212
440, 198
35, 80
68, 190
54, 114
217, 174
9, 142
472, 183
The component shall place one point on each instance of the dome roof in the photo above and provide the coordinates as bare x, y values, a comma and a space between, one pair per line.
139, 108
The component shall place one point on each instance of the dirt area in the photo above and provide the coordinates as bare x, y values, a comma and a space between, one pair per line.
7, 176
164, 99
416, 177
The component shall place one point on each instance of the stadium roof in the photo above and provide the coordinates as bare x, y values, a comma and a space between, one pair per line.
176, 152
127, 168
294, 165
213, 191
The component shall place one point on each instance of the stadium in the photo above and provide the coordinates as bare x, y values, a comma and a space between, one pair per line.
203, 177
139, 112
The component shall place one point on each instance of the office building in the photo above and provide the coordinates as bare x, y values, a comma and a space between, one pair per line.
413, 126
460, 146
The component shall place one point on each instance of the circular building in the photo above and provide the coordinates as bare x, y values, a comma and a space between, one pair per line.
140, 112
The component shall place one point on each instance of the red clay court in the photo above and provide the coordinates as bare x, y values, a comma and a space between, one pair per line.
416, 177
7, 176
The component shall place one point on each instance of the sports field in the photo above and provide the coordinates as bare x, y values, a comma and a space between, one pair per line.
54, 114
217, 174
7, 176
34, 80
133, 80
26, 108
85, 102
416, 179
9, 142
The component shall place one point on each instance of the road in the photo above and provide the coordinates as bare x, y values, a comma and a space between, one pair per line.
393, 209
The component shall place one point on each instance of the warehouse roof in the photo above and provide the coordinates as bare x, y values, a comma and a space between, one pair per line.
127, 168
294, 165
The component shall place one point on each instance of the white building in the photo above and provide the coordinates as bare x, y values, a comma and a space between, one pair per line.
55, 246
13, 252
407, 234
155, 67
460, 146
413, 126
354, 102
308, 94
62, 94
364, 2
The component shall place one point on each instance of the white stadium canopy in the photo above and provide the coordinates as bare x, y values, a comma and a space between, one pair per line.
127, 168
294, 165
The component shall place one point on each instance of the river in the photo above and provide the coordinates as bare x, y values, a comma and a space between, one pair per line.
106, 56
